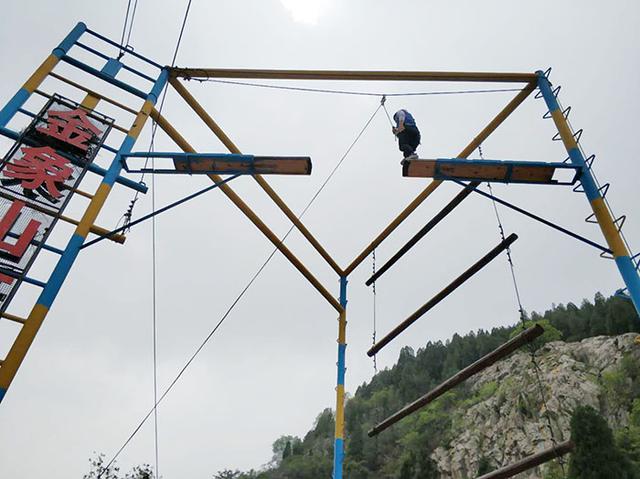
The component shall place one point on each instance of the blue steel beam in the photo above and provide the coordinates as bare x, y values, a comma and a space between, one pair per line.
103, 76
122, 47
600, 209
107, 57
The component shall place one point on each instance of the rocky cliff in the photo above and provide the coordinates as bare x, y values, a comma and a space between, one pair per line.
519, 415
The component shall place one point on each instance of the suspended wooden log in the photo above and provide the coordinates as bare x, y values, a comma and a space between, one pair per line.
507, 348
531, 461
424, 230
481, 263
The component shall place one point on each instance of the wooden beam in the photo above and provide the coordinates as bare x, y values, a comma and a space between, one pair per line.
450, 288
433, 222
494, 356
531, 461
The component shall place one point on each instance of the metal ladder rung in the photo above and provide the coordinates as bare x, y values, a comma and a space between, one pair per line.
589, 161
589, 219
619, 221
578, 188
556, 91
565, 113
578, 134
606, 255
604, 189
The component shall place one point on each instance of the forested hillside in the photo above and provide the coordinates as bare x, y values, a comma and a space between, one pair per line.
405, 451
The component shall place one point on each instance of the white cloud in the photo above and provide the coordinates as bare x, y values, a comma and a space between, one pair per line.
306, 11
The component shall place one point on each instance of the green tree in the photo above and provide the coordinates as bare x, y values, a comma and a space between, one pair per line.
99, 468
596, 455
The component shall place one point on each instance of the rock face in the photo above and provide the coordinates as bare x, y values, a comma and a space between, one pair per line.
515, 420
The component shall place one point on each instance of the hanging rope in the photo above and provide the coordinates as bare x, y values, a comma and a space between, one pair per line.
124, 28
373, 339
523, 319
348, 92
234, 303
126, 218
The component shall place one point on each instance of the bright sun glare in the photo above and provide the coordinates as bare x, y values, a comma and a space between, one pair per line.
306, 11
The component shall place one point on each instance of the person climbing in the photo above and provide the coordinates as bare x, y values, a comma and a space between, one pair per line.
408, 134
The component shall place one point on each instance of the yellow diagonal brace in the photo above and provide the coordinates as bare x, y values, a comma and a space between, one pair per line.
213, 126
233, 196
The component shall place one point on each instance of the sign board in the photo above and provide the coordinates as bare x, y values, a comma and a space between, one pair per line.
38, 177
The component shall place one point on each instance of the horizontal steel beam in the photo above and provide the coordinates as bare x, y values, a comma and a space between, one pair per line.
92, 167
225, 164
354, 75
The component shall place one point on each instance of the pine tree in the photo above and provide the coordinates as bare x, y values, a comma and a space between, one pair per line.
596, 455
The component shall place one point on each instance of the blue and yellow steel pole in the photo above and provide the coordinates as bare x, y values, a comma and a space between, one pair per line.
31, 326
40, 74
338, 451
598, 205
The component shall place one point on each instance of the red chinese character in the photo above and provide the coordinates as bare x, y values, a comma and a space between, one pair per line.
18, 248
72, 127
38, 167
6, 279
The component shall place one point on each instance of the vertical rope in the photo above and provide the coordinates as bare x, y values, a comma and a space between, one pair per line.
154, 317
523, 319
375, 364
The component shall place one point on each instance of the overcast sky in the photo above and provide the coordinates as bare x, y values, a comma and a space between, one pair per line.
270, 369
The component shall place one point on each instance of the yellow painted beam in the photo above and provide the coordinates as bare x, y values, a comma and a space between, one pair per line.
496, 77
235, 199
431, 187
213, 126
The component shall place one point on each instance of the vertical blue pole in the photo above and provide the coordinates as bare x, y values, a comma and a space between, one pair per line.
601, 212
338, 451
22, 95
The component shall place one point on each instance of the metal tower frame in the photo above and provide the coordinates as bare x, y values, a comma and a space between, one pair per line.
165, 76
